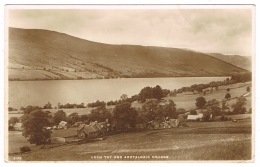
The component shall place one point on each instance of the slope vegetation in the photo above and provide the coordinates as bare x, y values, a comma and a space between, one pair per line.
244, 62
41, 54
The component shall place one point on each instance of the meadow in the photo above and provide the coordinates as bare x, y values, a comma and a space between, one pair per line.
200, 141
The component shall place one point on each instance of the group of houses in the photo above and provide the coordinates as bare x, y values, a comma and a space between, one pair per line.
181, 120
94, 129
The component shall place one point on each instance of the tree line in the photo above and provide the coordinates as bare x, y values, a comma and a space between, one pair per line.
235, 78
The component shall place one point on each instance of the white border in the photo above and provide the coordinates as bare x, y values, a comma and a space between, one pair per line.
257, 97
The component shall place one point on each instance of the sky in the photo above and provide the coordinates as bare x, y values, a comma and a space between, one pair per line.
226, 31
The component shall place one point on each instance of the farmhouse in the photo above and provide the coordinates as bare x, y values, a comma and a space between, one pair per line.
195, 117
94, 129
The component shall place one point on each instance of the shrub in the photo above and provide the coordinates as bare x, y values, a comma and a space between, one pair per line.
25, 149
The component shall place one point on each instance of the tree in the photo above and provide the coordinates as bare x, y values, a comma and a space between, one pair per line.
123, 97
193, 112
142, 122
206, 116
224, 105
13, 121
228, 89
239, 106
72, 118
59, 116
157, 92
151, 93
227, 79
11, 109
124, 116
97, 104
213, 107
100, 114
47, 106
29, 109
84, 118
145, 93
33, 124
180, 111
228, 96
168, 110
150, 109
200, 102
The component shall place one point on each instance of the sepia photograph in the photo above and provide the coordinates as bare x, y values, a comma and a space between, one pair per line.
124, 83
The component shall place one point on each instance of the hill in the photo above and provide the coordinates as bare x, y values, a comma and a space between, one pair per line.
41, 54
244, 62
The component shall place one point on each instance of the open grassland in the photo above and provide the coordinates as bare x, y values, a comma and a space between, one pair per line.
201, 141
188, 100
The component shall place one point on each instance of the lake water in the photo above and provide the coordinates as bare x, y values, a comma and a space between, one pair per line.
24, 93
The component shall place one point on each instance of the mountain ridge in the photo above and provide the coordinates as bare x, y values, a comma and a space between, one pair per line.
36, 54
244, 62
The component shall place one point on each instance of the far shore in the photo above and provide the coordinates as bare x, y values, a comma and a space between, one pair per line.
65, 79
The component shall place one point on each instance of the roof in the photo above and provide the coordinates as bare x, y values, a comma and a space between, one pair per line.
62, 123
94, 127
193, 117
102, 125
90, 129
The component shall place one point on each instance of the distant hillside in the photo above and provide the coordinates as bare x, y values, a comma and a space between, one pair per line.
244, 62
41, 54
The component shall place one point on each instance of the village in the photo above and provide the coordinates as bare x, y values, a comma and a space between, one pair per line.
152, 115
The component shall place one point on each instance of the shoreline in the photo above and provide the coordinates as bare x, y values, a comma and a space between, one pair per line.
224, 76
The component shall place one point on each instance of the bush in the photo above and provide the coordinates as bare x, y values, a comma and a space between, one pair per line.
25, 149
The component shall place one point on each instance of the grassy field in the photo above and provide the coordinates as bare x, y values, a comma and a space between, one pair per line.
200, 141
188, 100
53, 111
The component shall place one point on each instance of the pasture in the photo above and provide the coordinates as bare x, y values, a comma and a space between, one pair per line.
199, 141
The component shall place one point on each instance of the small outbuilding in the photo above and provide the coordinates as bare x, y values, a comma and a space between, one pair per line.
62, 125
195, 117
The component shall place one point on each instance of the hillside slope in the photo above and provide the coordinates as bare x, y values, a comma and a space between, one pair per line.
41, 54
244, 62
